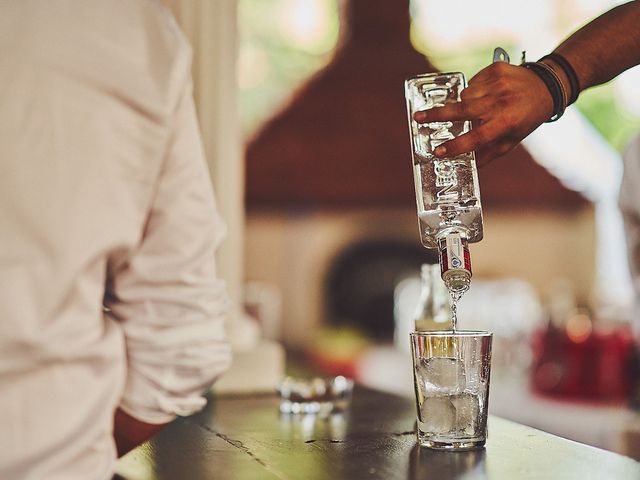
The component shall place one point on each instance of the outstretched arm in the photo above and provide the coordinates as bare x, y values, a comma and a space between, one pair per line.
507, 102
605, 47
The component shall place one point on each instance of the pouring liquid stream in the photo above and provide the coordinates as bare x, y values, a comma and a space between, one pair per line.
456, 295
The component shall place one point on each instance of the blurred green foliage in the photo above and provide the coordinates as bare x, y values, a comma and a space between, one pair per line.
600, 107
273, 61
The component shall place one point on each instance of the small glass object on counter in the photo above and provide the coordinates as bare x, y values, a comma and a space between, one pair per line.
315, 395
451, 372
447, 190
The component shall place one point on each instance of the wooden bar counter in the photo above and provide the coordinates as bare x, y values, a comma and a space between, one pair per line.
246, 437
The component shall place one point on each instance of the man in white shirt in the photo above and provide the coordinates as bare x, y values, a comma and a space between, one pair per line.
105, 200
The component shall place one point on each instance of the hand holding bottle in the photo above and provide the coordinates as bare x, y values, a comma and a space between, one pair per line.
504, 102
507, 102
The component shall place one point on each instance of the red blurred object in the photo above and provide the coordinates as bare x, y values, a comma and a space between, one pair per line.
587, 364
329, 364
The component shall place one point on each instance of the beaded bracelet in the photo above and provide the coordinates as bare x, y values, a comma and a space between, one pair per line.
569, 71
553, 84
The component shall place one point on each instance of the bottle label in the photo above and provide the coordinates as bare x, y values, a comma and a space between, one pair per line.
454, 254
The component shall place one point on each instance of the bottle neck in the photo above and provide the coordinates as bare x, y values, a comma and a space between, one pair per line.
455, 263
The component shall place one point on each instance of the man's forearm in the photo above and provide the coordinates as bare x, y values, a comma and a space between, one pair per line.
129, 432
605, 47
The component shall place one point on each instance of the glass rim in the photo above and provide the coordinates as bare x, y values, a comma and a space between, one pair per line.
432, 75
451, 333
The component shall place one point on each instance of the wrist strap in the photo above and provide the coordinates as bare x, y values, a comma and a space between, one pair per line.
569, 71
553, 84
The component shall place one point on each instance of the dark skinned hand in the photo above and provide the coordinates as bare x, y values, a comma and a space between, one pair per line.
505, 104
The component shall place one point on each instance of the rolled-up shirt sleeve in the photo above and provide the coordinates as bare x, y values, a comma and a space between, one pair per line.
165, 293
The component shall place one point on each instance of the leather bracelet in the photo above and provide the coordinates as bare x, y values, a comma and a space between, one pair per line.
564, 98
552, 81
569, 71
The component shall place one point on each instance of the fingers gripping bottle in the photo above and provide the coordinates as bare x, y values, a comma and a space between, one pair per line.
447, 190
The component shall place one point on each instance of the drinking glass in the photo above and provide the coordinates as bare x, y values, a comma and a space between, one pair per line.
451, 371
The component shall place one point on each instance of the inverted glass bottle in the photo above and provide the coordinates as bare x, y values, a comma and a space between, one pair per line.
447, 190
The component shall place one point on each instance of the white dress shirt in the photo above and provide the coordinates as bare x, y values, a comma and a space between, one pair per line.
105, 199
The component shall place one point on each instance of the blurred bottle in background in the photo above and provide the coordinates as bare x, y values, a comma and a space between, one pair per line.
420, 303
433, 311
